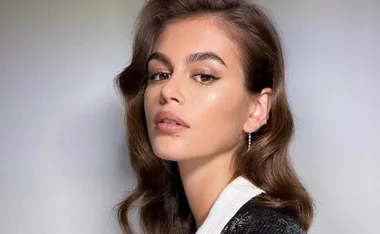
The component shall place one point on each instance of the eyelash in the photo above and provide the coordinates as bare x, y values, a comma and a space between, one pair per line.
151, 77
206, 74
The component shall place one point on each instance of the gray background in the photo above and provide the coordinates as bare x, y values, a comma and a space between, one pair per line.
63, 164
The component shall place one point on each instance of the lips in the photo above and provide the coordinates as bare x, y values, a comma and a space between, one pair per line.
169, 118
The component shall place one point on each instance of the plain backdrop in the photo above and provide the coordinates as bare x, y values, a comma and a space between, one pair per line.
63, 161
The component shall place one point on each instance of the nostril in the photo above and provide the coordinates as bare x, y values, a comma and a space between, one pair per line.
171, 91
174, 99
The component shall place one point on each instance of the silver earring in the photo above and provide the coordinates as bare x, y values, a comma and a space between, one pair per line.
249, 141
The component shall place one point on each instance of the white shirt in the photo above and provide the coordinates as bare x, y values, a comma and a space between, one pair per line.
230, 200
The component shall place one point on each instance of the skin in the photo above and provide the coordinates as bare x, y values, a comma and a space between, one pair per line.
220, 113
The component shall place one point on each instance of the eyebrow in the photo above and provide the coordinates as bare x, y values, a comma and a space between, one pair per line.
192, 58
201, 56
160, 57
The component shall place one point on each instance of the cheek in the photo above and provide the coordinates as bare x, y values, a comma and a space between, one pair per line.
148, 111
149, 100
221, 114
146, 106
223, 106
219, 122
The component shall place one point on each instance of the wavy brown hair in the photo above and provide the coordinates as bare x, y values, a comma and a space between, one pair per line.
159, 193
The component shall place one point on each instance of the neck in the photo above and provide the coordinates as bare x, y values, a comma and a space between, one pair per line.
203, 180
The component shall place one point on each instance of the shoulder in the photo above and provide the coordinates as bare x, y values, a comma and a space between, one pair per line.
261, 220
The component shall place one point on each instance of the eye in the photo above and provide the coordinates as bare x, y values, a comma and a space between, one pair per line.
159, 76
205, 78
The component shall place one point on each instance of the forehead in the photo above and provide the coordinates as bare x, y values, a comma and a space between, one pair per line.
197, 34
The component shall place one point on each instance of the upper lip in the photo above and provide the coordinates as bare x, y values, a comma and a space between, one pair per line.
162, 115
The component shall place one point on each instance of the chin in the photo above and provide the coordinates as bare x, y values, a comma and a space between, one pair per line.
170, 152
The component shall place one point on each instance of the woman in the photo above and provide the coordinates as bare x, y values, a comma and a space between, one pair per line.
209, 124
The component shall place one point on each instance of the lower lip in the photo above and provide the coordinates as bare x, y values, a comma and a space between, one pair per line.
170, 128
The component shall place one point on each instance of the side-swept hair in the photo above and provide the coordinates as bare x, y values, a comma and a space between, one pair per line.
159, 192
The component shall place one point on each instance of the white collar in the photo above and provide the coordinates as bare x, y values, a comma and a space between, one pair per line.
230, 200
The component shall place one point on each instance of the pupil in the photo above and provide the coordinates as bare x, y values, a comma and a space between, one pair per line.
204, 78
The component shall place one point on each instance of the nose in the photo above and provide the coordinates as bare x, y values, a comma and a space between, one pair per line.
172, 91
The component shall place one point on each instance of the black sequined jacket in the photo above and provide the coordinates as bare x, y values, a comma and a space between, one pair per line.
254, 219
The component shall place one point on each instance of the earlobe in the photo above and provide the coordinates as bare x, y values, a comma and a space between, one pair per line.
251, 124
251, 127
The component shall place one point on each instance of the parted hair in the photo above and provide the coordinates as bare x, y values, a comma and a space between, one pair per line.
159, 194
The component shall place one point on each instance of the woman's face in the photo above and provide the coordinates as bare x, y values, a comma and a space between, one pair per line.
196, 75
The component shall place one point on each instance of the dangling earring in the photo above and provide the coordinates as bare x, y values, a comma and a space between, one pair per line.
249, 141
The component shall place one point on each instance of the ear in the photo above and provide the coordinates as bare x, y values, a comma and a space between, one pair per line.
259, 107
